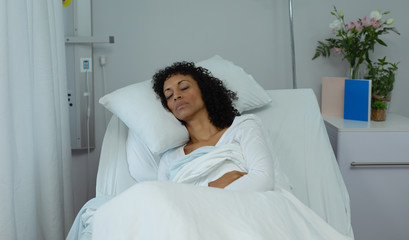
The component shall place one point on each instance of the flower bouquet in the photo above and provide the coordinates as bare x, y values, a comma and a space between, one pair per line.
354, 40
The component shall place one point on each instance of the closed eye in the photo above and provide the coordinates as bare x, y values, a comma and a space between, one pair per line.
184, 88
168, 97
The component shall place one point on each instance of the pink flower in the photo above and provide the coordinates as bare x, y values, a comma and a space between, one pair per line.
377, 24
359, 26
337, 50
350, 26
365, 23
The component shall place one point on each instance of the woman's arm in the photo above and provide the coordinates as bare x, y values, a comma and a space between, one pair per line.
259, 159
226, 179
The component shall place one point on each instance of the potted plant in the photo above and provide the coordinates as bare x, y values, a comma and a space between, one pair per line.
382, 74
378, 112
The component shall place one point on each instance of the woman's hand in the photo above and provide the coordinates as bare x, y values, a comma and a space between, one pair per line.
226, 179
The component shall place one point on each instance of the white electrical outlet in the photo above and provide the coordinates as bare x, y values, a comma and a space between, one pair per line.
86, 64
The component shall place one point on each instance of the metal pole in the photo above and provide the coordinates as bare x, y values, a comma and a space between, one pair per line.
290, 9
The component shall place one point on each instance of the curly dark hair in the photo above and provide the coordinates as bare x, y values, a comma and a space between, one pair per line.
216, 97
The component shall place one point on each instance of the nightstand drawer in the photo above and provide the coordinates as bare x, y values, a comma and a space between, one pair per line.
379, 201
372, 147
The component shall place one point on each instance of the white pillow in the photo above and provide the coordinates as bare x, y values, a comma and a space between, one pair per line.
137, 106
143, 165
251, 94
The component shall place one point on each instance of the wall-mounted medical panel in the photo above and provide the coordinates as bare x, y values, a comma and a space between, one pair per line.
80, 84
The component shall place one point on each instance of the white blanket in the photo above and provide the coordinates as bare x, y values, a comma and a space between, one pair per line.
164, 210
207, 163
82, 227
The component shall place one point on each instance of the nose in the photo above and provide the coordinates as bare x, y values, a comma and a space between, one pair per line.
176, 96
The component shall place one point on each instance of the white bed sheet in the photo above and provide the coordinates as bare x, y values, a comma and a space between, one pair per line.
297, 132
164, 210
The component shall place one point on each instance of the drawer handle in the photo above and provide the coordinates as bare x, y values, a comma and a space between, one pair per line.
362, 164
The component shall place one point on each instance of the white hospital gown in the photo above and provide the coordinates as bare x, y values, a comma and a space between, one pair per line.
247, 131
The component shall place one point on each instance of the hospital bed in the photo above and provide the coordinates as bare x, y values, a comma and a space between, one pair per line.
310, 200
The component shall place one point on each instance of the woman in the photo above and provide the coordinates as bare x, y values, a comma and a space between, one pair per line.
205, 107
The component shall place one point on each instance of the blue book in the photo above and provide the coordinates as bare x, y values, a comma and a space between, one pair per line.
357, 99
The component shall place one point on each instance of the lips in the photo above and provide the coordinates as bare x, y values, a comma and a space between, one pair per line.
180, 105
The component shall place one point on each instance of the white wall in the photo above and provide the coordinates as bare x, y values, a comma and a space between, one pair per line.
252, 33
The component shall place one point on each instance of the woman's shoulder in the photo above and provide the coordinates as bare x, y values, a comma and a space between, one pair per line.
246, 120
244, 126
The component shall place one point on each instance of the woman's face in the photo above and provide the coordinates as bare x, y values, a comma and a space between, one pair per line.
184, 97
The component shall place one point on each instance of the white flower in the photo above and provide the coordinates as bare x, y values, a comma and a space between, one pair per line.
376, 14
389, 21
336, 25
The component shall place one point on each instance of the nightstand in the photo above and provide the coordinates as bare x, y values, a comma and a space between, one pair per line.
374, 161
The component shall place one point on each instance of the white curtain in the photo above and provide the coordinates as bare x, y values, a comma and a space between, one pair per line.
35, 156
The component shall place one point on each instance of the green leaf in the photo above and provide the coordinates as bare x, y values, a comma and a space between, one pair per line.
381, 42
394, 30
379, 105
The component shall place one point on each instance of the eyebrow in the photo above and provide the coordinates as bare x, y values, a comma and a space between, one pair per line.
167, 89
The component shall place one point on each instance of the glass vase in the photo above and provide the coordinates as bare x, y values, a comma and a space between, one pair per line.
356, 72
